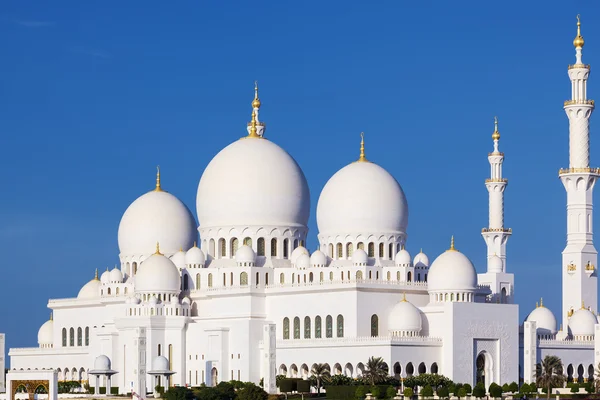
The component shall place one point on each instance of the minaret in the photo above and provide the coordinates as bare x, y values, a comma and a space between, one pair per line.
579, 256
496, 235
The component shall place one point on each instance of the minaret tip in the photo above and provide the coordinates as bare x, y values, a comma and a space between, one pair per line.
96, 275
256, 101
158, 188
158, 253
51, 316
496, 134
452, 248
362, 157
578, 42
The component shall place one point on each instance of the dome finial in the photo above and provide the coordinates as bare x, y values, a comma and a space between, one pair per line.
578, 42
256, 101
452, 244
582, 304
362, 157
404, 297
541, 302
537, 305
51, 316
96, 275
195, 245
496, 134
253, 129
158, 188
158, 253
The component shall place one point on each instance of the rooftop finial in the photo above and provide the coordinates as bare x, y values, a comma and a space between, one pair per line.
158, 188
582, 304
452, 244
578, 41
195, 245
404, 296
96, 275
541, 302
362, 157
158, 250
51, 316
537, 305
256, 101
496, 134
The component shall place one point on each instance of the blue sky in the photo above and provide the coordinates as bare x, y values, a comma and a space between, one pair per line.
94, 96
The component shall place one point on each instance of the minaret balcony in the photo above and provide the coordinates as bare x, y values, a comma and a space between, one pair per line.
496, 153
496, 180
579, 102
564, 171
503, 230
575, 66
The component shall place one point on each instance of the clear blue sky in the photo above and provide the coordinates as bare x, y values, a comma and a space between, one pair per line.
94, 95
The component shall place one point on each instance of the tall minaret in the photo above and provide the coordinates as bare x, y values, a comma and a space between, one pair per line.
579, 256
496, 235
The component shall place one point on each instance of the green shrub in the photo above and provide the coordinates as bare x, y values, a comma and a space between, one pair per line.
160, 390
479, 390
468, 388
513, 387
427, 391
495, 390
183, 393
340, 380
114, 390
408, 393
390, 392
342, 392
375, 392
461, 393
443, 392
252, 392
360, 392
590, 387
102, 390
575, 388
505, 388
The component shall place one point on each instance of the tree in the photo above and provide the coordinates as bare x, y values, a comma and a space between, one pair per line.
443, 392
319, 372
252, 392
597, 378
468, 388
375, 392
495, 390
408, 393
551, 375
360, 392
278, 379
479, 390
461, 393
390, 392
513, 387
427, 391
375, 370
178, 393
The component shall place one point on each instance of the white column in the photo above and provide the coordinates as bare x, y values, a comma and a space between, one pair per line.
529, 351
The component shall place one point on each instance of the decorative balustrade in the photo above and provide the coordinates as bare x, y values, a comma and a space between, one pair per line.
370, 340
575, 66
496, 180
576, 170
505, 230
572, 102
565, 343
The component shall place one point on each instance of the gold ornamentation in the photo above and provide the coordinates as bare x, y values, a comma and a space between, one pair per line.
51, 316
158, 253
96, 275
496, 153
589, 266
496, 134
362, 157
452, 244
582, 305
256, 101
497, 180
537, 305
571, 102
570, 313
571, 267
575, 170
541, 302
195, 245
404, 297
505, 230
574, 66
158, 188
578, 42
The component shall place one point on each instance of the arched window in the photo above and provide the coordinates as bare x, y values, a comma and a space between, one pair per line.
209, 280
340, 251
108, 290
79, 337
419, 277
296, 328
330, 275
398, 275
295, 243
330, 250
222, 248
87, 335
186, 284
234, 247
281, 278
360, 245
134, 267
231, 279
371, 250
321, 276
370, 274
359, 275
224, 279
211, 247
329, 326
340, 326
257, 279
260, 246
390, 251
248, 241
71, 337
64, 337
318, 327
243, 279
159, 352
197, 281
342, 274
380, 250
286, 248
409, 276
425, 277
389, 275
273, 247
307, 327
349, 250
374, 325
286, 328
310, 277
267, 279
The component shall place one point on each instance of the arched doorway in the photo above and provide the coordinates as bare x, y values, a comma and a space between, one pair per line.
360, 369
283, 370
503, 296
422, 368
483, 372
434, 368
214, 377
294, 371
304, 371
397, 370
570, 373
580, 372
410, 369
348, 370
337, 369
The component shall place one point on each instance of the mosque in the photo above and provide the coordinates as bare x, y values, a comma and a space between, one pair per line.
236, 294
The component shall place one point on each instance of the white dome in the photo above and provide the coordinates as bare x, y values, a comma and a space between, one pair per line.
195, 256
582, 323
359, 257
102, 363
405, 317
318, 259
495, 264
544, 319
90, 290
115, 276
179, 259
421, 260
105, 277
156, 216
245, 254
174, 300
379, 205
303, 261
160, 363
297, 252
157, 274
452, 270
275, 193
153, 301
402, 257
46, 333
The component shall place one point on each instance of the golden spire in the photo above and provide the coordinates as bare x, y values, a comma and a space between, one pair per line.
402, 246
421, 250
256, 101
496, 134
582, 305
51, 316
404, 297
541, 302
452, 244
362, 157
560, 329
195, 244
537, 305
578, 41
158, 188
96, 275
158, 253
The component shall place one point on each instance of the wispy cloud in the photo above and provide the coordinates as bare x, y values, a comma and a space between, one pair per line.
34, 24
98, 53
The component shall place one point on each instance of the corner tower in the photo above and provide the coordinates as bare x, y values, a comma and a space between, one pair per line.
579, 256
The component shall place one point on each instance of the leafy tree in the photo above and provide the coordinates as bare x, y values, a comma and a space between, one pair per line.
513, 387
505, 388
574, 388
318, 373
390, 392
375, 392
495, 390
551, 375
479, 390
590, 387
461, 392
252, 392
427, 391
375, 370
278, 379
408, 393
468, 388
360, 393
443, 392
339, 380
178, 393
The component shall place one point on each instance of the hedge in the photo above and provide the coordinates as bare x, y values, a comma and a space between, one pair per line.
102, 390
91, 390
349, 392
114, 390
288, 385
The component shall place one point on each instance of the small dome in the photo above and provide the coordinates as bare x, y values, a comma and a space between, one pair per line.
160, 363
544, 320
179, 259
128, 300
297, 252
46, 333
303, 261
90, 290
402, 258
115, 276
452, 270
582, 323
245, 254
495, 264
195, 256
105, 277
153, 301
318, 259
359, 257
405, 317
102, 363
421, 260
157, 274
174, 300
186, 300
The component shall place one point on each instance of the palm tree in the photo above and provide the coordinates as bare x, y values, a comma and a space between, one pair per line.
597, 376
319, 372
376, 370
551, 374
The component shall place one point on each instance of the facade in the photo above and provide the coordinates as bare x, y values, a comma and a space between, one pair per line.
246, 300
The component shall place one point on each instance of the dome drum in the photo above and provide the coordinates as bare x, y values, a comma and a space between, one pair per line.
342, 246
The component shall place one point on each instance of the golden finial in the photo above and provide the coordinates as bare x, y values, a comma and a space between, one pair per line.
253, 130
421, 250
560, 329
195, 244
578, 41
582, 304
362, 157
496, 134
452, 244
541, 302
402, 246
256, 101
537, 305
404, 297
158, 188
51, 316
158, 250
96, 275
